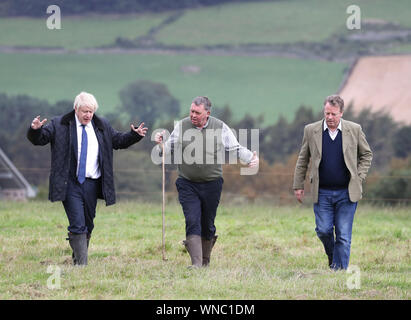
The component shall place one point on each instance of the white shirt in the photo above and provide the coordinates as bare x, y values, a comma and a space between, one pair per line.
92, 167
333, 134
228, 140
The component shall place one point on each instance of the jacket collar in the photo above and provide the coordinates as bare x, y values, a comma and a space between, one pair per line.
339, 127
318, 134
69, 117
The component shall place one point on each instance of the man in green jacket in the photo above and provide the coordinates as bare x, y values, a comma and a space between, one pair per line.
340, 159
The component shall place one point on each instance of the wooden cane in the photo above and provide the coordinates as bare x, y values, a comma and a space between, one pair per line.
164, 204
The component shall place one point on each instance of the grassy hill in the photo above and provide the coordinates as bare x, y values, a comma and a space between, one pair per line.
228, 24
76, 32
269, 86
383, 83
259, 85
276, 22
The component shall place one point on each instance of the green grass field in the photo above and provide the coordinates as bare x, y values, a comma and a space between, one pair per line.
258, 85
76, 32
232, 24
262, 252
269, 86
276, 22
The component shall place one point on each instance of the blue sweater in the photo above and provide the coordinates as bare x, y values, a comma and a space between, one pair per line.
333, 172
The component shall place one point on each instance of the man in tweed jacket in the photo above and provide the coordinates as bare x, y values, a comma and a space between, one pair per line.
340, 159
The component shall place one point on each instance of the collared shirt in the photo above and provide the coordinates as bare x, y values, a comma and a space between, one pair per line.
92, 167
228, 140
333, 134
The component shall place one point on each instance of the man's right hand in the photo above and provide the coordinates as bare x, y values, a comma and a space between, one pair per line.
158, 138
37, 124
299, 194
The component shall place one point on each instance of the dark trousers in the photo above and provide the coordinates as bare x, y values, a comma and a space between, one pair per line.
199, 201
80, 205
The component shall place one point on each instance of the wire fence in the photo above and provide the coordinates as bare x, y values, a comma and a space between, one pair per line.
47, 170
286, 195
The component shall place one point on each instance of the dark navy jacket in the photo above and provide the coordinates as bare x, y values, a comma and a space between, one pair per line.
59, 133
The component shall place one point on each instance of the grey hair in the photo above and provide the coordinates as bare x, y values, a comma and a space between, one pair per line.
335, 101
198, 101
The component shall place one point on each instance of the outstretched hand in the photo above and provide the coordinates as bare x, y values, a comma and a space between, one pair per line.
37, 124
158, 138
254, 161
141, 130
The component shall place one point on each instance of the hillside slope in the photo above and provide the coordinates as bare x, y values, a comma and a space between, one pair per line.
384, 83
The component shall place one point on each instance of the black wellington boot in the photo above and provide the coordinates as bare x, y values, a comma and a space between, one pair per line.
78, 242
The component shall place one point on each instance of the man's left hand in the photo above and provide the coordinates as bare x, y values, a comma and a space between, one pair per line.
141, 130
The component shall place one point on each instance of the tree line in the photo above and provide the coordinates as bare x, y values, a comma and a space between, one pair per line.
152, 103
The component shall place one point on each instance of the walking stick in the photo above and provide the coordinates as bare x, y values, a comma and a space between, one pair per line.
163, 207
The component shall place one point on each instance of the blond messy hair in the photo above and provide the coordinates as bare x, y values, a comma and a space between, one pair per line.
85, 99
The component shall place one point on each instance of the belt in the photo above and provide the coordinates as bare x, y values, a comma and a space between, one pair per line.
91, 179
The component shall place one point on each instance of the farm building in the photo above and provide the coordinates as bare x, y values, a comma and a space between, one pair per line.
13, 186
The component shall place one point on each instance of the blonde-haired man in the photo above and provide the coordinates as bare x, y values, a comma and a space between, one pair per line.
84, 99
81, 165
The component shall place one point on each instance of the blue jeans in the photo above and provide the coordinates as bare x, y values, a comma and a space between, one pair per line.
334, 209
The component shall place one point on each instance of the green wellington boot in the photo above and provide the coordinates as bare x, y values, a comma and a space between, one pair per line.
194, 248
207, 246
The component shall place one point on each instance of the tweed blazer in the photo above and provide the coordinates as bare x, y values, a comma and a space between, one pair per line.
356, 151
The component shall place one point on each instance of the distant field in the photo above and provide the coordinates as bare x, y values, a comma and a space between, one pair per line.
402, 49
382, 83
269, 86
76, 32
265, 253
276, 22
232, 24
258, 85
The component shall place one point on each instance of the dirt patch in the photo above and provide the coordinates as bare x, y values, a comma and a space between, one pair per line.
190, 69
382, 83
